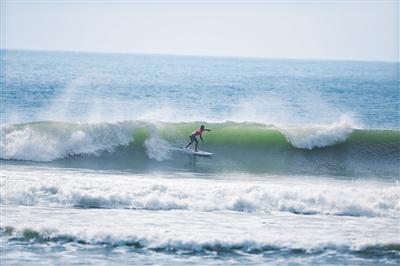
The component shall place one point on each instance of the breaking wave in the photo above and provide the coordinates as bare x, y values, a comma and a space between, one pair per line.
197, 246
337, 148
365, 198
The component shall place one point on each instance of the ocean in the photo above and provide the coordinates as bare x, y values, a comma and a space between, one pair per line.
305, 165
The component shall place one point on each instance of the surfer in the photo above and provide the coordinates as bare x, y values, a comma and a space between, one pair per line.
193, 138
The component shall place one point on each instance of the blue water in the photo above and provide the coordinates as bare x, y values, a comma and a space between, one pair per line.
304, 172
200, 88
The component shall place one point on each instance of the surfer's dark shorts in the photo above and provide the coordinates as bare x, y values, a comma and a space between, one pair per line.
193, 138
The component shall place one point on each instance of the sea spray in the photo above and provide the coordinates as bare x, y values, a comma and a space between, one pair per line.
157, 148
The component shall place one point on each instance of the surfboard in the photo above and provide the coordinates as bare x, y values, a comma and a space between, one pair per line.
198, 152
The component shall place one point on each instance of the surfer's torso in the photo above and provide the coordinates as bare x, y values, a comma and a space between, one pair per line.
197, 132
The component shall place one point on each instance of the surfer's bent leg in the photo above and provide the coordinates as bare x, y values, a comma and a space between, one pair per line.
191, 141
197, 143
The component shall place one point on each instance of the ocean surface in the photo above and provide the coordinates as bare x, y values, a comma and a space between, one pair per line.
305, 165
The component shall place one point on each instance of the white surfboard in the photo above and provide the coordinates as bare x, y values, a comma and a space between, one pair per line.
198, 152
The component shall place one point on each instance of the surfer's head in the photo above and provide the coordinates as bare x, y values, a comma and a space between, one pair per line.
202, 127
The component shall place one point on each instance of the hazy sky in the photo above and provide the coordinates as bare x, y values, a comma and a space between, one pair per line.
326, 30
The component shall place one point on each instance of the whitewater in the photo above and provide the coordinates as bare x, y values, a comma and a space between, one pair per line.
305, 165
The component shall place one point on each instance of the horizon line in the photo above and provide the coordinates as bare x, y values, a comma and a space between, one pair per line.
202, 55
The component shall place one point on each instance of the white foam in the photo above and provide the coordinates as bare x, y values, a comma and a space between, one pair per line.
320, 136
204, 215
199, 231
42, 188
49, 141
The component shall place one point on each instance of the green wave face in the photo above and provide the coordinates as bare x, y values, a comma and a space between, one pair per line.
237, 147
223, 134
